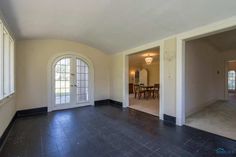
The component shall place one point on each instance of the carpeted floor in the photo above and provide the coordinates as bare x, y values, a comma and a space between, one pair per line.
149, 105
218, 118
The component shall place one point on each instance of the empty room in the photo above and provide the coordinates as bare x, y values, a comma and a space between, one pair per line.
117, 78
210, 83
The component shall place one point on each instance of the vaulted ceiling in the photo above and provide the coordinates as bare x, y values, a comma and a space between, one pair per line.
111, 25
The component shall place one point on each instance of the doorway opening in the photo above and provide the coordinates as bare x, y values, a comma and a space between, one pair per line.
144, 81
71, 82
231, 80
210, 83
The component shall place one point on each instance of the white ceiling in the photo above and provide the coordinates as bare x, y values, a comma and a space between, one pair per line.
223, 41
111, 25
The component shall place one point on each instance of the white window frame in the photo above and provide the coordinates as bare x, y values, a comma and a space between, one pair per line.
231, 71
8, 89
6, 63
1, 60
12, 66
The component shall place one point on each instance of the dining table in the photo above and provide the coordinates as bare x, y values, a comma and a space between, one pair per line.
147, 88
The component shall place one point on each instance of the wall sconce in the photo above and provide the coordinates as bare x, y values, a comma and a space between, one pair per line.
132, 73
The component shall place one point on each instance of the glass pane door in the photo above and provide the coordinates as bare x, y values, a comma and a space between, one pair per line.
71, 83
82, 81
63, 81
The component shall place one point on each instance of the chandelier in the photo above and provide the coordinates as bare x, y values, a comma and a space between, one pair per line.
148, 60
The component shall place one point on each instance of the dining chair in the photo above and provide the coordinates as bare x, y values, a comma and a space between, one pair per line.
138, 91
155, 90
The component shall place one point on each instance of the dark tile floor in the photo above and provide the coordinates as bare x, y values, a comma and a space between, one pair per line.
110, 132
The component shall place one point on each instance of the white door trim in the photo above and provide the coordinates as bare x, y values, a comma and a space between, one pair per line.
226, 68
126, 74
211, 29
52, 61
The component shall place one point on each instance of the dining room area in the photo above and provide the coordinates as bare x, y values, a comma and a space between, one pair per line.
144, 86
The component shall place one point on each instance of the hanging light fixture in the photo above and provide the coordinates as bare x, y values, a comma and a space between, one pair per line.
148, 59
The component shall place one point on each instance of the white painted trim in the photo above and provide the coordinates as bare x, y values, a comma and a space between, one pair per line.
3, 21
125, 81
161, 97
180, 82
1, 60
207, 30
126, 74
226, 68
51, 63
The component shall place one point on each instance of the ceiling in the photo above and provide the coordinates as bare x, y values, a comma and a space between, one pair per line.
111, 25
223, 41
137, 59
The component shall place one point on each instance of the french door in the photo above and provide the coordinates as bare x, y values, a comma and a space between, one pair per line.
70, 83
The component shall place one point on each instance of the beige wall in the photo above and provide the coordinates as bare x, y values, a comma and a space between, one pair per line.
203, 84
133, 69
116, 77
229, 55
32, 60
170, 77
7, 111
153, 72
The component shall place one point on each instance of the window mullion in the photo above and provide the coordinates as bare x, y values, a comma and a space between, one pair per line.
1, 61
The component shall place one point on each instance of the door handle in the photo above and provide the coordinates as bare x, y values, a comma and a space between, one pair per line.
73, 85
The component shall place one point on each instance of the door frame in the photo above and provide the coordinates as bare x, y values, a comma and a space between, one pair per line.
126, 74
204, 31
226, 77
50, 68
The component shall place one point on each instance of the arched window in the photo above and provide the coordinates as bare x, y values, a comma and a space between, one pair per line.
231, 80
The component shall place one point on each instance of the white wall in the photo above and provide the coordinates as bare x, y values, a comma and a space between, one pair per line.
7, 111
32, 60
202, 81
116, 77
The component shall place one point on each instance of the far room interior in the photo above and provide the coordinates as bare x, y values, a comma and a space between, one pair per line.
210, 83
144, 81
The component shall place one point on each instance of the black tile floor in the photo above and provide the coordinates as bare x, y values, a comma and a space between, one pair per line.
107, 131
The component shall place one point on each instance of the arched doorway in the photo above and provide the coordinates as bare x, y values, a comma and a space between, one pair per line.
71, 82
